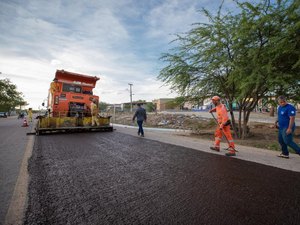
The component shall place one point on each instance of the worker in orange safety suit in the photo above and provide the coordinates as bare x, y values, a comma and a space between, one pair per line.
223, 127
94, 112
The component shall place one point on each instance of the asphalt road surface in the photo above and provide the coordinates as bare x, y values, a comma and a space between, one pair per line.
116, 178
13, 142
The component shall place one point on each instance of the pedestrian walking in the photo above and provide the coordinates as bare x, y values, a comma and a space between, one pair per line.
223, 127
94, 112
141, 116
286, 127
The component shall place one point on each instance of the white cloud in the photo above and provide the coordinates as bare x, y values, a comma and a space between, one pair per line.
119, 41
55, 62
171, 17
31, 76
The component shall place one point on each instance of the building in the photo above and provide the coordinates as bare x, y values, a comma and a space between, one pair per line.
115, 107
163, 104
126, 106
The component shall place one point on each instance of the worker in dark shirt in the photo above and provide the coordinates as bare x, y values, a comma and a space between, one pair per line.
141, 116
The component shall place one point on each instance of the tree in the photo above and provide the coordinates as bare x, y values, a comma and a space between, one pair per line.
103, 106
202, 64
261, 42
287, 54
172, 104
9, 96
179, 101
150, 107
236, 56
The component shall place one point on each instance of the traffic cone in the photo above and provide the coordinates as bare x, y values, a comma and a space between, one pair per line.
25, 124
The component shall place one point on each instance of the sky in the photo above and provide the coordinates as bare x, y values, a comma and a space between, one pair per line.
119, 41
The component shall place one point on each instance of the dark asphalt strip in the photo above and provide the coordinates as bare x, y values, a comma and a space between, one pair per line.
115, 178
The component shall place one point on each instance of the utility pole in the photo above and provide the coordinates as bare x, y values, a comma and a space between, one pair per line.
130, 91
114, 113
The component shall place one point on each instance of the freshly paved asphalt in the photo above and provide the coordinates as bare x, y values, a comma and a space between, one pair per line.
116, 178
13, 142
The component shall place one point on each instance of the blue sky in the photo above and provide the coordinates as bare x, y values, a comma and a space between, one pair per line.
119, 41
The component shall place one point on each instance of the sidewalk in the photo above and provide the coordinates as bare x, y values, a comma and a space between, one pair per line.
182, 138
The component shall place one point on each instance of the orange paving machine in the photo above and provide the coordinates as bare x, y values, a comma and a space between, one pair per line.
69, 105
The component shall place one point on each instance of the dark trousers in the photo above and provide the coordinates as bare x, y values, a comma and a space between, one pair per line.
140, 124
287, 140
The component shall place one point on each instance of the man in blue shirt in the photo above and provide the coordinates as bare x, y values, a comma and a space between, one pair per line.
141, 116
286, 126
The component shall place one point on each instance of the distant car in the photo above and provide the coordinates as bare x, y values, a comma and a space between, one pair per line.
3, 114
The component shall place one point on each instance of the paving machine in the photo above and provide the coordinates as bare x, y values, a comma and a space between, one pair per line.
69, 105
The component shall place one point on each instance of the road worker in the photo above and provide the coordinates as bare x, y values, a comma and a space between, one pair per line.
30, 114
94, 112
54, 86
223, 127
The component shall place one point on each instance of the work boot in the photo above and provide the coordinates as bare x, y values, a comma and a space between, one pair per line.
231, 149
142, 135
283, 156
230, 153
217, 149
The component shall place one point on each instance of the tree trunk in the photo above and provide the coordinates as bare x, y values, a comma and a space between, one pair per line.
240, 124
244, 126
272, 111
233, 120
235, 130
246, 115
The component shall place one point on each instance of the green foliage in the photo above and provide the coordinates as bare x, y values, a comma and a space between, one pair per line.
103, 106
140, 101
241, 57
127, 107
172, 104
150, 107
9, 96
179, 101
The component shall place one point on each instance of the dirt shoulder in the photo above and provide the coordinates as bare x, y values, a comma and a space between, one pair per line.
262, 134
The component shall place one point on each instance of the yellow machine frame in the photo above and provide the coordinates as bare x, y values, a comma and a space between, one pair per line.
69, 124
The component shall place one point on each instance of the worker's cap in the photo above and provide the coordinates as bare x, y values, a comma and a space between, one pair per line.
216, 98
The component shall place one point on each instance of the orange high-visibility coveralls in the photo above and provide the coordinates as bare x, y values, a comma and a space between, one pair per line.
222, 118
